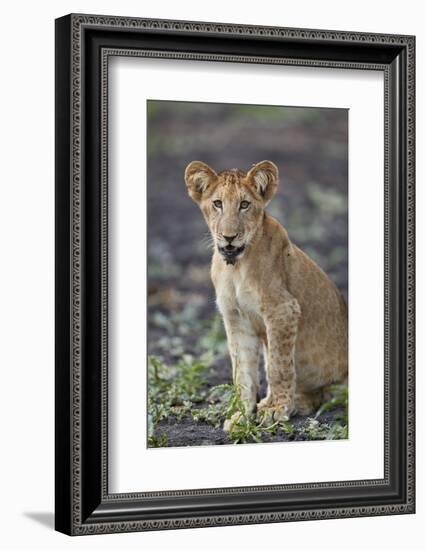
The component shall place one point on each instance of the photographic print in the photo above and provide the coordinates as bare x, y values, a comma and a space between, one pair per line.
247, 273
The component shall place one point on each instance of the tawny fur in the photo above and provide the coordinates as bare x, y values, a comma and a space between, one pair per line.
274, 299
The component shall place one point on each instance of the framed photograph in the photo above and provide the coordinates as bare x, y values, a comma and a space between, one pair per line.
234, 274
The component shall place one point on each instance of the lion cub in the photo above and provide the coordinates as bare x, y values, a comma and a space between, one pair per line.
272, 296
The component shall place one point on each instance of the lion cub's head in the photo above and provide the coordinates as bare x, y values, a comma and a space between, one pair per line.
232, 202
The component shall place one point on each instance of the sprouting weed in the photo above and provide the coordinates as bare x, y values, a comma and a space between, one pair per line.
338, 399
161, 441
173, 390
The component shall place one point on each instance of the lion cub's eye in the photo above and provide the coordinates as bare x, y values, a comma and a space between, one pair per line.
218, 204
244, 205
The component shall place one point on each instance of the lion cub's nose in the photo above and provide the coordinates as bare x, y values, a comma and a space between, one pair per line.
229, 238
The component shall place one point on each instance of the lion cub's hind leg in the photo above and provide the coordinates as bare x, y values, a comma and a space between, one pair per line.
308, 402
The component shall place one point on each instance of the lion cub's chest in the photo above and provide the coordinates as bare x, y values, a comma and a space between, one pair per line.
236, 295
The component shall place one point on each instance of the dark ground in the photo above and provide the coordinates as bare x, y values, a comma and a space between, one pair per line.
188, 432
309, 147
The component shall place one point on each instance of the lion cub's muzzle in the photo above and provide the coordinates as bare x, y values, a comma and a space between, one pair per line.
231, 252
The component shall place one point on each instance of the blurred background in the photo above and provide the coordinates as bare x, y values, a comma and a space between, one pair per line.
310, 148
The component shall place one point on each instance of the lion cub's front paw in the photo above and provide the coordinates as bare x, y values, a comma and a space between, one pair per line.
230, 422
269, 411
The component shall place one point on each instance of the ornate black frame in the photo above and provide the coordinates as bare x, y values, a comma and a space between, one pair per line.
83, 46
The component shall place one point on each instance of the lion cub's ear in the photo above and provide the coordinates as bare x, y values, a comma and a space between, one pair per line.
198, 176
264, 178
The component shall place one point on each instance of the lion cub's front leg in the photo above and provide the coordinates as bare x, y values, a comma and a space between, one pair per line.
281, 329
244, 347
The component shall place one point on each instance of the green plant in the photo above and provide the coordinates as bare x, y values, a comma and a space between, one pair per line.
338, 399
315, 429
213, 414
245, 428
322, 430
338, 428
161, 441
173, 390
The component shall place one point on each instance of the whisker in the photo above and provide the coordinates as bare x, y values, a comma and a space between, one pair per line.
207, 240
